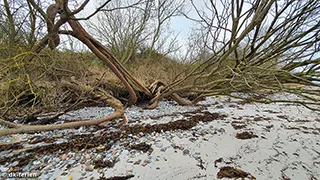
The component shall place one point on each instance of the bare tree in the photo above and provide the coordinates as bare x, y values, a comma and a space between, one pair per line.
19, 25
137, 28
256, 44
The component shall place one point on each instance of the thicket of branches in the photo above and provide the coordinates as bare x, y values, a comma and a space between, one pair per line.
141, 28
255, 44
20, 23
236, 46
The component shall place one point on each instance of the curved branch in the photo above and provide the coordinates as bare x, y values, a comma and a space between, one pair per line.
97, 94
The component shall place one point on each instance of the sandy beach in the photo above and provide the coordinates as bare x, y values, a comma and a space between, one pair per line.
221, 137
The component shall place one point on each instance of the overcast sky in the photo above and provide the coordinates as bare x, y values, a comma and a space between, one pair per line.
180, 25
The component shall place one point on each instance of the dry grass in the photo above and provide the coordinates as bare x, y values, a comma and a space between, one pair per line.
27, 87
150, 70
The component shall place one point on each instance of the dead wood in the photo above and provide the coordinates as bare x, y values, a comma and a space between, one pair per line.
92, 92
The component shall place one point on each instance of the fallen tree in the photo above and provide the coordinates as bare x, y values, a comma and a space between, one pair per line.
253, 53
52, 39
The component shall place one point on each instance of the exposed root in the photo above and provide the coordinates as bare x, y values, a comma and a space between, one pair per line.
156, 89
180, 100
153, 105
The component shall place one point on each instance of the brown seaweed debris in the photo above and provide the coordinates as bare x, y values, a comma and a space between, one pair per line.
230, 172
183, 124
200, 165
36, 140
77, 143
246, 135
238, 125
283, 117
102, 164
259, 118
10, 146
220, 160
117, 177
144, 147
